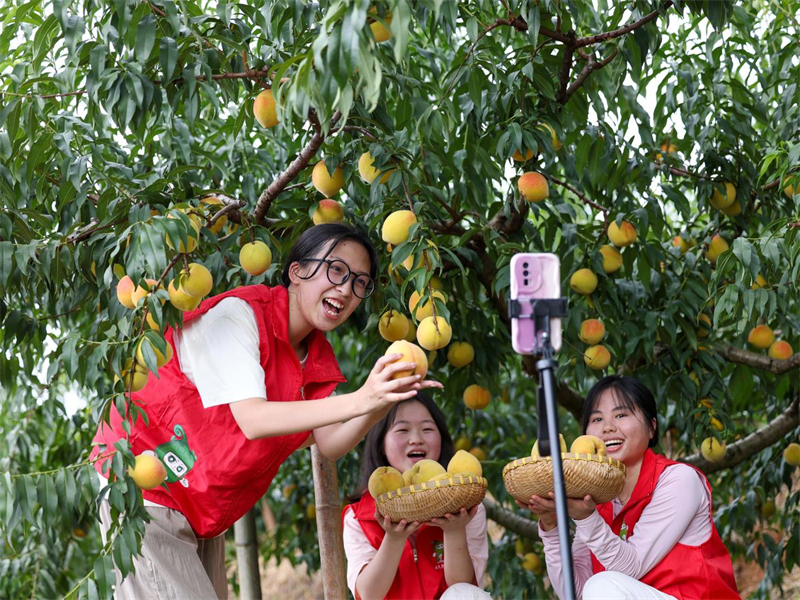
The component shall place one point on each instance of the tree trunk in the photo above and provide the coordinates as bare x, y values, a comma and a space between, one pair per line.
247, 556
329, 526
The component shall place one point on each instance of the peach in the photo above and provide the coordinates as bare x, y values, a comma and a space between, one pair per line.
761, 336
124, 289
553, 137
792, 454
592, 331
142, 290
562, 443
460, 354
368, 172
197, 282
393, 326
148, 471
476, 397
597, 357
533, 187
434, 333
264, 109
517, 156
380, 31
588, 444
464, 463
712, 450
410, 353
396, 227
703, 319
623, 234
612, 259
255, 257
583, 281
719, 201
422, 471
780, 350
180, 299
328, 185
717, 246
328, 211
161, 359
679, 242
424, 310
384, 480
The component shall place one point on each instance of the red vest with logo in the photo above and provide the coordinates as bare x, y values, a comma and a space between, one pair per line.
420, 574
214, 473
701, 572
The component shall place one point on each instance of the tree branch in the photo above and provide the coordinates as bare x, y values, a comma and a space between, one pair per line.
566, 68
579, 194
740, 451
759, 361
298, 164
609, 35
592, 65
511, 520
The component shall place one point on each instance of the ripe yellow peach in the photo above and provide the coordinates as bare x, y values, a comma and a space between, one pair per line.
198, 281
422, 471
384, 480
717, 246
328, 211
210, 201
139, 376
792, 454
396, 227
328, 185
592, 331
533, 563
191, 242
424, 310
623, 234
393, 326
368, 172
684, 245
434, 333
476, 397
790, 190
517, 156
719, 201
712, 450
597, 357
411, 336
733, 210
478, 453
161, 359
668, 148
124, 289
148, 471
612, 259
533, 187
761, 336
142, 291
180, 299
380, 32
255, 257
462, 443
583, 281
556, 143
588, 444
264, 109
705, 325
410, 353
760, 282
780, 350
460, 354
717, 424
464, 463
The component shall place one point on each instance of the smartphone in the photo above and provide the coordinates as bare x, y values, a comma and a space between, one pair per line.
534, 276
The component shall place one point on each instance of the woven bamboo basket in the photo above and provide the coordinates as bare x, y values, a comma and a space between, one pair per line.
599, 476
425, 501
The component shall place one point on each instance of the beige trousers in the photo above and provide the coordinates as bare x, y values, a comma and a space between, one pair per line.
175, 564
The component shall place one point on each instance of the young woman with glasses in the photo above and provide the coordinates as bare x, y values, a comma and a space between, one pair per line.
250, 382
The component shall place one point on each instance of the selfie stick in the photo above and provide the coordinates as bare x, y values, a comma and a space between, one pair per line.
541, 311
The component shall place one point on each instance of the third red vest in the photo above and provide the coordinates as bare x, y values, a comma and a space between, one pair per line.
214, 473
701, 572
420, 574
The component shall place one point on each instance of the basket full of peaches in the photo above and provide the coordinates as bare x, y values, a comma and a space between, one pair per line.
427, 490
587, 470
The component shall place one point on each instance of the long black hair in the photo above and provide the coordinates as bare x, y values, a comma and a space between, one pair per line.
327, 236
374, 455
630, 393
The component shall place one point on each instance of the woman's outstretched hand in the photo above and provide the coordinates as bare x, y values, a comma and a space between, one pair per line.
454, 522
380, 390
397, 531
544, 509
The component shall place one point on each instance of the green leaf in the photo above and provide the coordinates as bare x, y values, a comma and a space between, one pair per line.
168, 57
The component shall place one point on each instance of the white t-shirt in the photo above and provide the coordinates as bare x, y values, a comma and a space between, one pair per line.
360, 552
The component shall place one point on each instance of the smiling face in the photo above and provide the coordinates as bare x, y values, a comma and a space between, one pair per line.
626, 432
412, 437
321, 304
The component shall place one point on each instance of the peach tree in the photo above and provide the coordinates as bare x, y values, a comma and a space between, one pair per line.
149, 147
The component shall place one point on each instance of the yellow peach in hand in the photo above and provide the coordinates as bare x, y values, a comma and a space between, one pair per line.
465, 463
410, 353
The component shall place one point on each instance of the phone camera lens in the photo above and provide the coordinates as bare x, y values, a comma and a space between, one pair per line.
525, 272
525, 265
526, 281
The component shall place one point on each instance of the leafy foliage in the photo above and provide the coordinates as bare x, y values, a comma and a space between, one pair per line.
119, 118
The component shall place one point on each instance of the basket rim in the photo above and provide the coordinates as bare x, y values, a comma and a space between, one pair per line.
590, 458
454, 481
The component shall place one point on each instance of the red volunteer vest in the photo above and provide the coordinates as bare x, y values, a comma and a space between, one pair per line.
420, 574
214, 473
703, 572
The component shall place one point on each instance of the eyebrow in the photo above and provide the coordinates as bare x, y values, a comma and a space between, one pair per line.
616, 408
408, 422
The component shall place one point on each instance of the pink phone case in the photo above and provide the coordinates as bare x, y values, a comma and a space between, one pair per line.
533, 276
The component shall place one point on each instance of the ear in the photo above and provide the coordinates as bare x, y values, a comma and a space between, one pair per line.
653, 426
294, 271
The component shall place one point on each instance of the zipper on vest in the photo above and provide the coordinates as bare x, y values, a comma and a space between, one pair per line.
414, 550
302, 393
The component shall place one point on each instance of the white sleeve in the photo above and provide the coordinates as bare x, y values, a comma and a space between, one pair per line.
219, 353
357, 549
478, 544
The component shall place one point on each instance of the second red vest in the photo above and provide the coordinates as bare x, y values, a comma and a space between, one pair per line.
214, 473
703, 572
420, 574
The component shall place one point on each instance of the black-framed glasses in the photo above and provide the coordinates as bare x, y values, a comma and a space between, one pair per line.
339, 273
